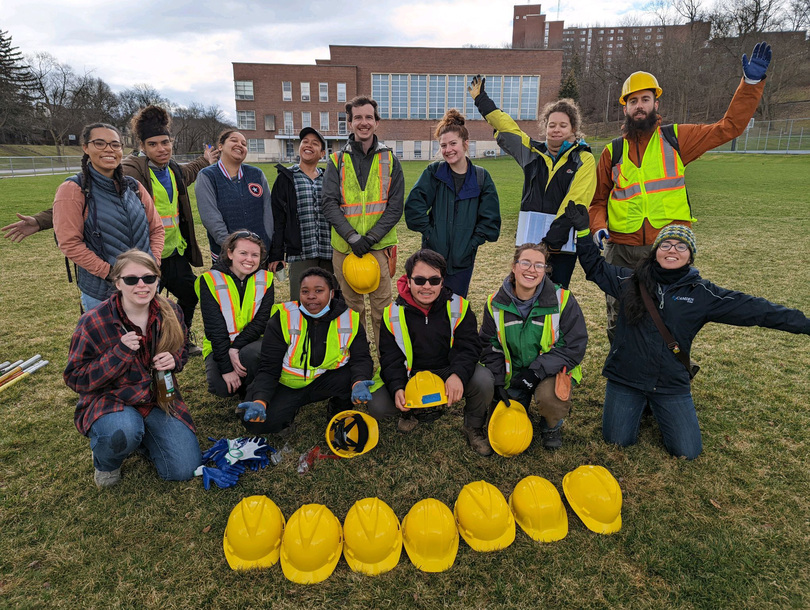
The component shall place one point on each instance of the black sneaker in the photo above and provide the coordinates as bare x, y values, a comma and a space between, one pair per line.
551, 439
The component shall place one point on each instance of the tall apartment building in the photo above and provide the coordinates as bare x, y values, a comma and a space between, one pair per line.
530, 30
414, 86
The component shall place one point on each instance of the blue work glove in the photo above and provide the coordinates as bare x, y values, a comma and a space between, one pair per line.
243, 449
578, 216
254, 411
755, 69
527, 380
222, 478
600, 237
217, 450
361, 246
361, 391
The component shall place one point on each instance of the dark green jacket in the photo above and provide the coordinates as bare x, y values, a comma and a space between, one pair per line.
454, 224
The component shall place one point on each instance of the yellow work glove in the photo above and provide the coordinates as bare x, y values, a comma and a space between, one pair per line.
476, 87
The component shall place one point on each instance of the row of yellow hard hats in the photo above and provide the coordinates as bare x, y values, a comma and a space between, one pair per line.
310, 544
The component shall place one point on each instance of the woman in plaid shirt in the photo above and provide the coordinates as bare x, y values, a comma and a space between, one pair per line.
116, 350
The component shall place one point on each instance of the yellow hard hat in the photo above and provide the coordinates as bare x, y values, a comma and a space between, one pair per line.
539, 510
372, 537
312, 544
510, 429
362, 273
430, 536
352, 433
638, 81
253, 535
483, 517
425, 389
596, 498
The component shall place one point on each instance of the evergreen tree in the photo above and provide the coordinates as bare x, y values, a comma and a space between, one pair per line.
15, 91
569, 87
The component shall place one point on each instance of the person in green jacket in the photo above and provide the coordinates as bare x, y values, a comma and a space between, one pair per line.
556, 170
454, 204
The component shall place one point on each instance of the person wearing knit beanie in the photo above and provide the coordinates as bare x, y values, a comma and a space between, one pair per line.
678, 232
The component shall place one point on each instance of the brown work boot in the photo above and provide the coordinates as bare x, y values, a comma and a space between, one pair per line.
407, 424
478, 440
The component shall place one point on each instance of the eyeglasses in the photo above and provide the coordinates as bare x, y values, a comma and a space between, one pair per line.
433, 281
524, 264
132, 280
667, 246
102, 144
251, 234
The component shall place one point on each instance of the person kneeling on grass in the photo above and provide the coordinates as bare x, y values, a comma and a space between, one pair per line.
532, 330
428, 328
641, 368
236, 298
119, 352
313, 349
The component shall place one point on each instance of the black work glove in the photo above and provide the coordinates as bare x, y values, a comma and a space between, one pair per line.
362, 246
578, 216
501, 395
527, 380
558, 233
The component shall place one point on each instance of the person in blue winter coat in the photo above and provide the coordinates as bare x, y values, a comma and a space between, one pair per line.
454, 205
641, 368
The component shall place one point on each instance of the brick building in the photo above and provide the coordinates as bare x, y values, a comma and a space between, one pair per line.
414, 86
530, 30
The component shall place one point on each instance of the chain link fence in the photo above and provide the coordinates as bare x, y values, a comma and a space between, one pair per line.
784, 136
16, 167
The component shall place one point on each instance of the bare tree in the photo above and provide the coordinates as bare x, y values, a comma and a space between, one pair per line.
798, 15
741, 17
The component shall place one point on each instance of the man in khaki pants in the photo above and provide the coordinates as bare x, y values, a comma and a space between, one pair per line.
363, 193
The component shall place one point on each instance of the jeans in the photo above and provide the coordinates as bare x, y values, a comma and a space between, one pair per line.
169, 443
675, 414
459, 282
89, 302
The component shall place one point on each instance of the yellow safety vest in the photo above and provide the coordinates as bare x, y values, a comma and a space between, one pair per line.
296, 371
169, 215
551, 332
363, 207
236, 314
656, 190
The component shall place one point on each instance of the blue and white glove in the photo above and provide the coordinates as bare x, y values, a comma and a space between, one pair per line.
754, 70
216, 451
254, 411
600, 237
222, 478
245, 449
361, 391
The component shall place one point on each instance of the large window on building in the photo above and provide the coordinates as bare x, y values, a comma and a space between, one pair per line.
286, 90
418, 96
324, 121
256, 145
305, 92
288, 123
342, 125
457, 92
511, 95
417, 149
323, 92
437, 96
380, 91
246, 119
243, 89
269, 122
306, 119
398, 151
399, 96
528, 98
341, 92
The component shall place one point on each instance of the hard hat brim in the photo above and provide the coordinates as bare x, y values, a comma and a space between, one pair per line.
545, 534
374, 569
432, 564
501, 410
592, 524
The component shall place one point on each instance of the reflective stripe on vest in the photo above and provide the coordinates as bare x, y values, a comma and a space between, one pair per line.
394, 320
551, 331
363, 207
169, 214
296, 371
655, 191
224, 290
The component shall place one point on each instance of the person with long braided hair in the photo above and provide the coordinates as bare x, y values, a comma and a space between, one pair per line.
99, 213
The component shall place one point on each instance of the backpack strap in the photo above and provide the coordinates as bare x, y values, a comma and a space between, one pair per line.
617, 146
668, 131
480, 174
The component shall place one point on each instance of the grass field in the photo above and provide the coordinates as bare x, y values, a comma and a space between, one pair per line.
729, 530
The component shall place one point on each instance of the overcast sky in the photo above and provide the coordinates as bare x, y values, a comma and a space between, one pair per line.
185, 49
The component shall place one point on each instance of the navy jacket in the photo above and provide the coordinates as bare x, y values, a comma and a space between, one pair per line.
639, 356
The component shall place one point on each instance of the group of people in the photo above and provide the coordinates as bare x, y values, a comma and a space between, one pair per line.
127, 226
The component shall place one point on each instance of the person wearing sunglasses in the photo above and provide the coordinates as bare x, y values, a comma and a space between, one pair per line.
533, 330
642, 366
313, 350
428, 328
233, 195
454, 204
118, 353
236, 298
100, 213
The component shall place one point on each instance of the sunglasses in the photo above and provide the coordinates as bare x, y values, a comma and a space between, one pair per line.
132, 280
420, 281
251, 234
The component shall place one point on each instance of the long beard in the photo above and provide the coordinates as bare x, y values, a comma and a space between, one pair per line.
636, 127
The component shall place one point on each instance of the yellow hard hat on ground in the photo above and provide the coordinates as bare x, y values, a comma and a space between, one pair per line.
372, 537
638, 81
430, 536
253, 535
312, 544
510, 429
425, 389
362, 273
539, 510
352, 433
483, 517
596, 498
